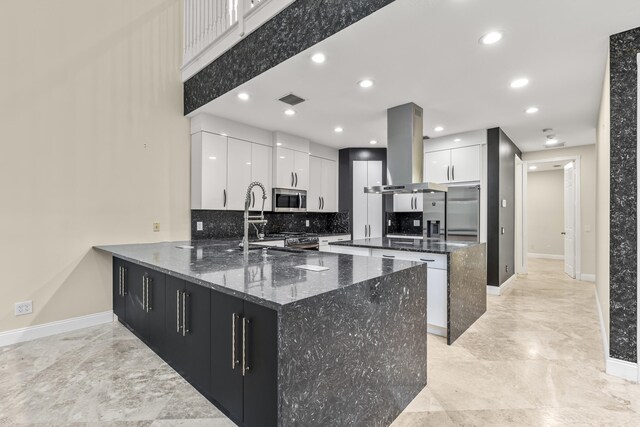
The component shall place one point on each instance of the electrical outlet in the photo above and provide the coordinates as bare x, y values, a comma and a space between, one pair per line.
156, 227
307, 222
416, 223
24, 307
389, 223
199, 226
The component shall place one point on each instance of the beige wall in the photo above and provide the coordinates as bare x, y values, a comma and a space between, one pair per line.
602, 201
587, 155
94, 146
545, 212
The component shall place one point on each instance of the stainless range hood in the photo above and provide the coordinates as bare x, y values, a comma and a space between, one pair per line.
405, 153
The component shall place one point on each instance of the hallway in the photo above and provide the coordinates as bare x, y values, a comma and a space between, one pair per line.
535, 358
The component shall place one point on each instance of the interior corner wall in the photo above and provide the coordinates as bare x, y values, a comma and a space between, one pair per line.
545, 212
94, 147
501, 152
603, 145
623, 50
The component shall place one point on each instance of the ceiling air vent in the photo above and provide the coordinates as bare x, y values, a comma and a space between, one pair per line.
291, 99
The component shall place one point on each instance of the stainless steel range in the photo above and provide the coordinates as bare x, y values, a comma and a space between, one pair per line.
299, 240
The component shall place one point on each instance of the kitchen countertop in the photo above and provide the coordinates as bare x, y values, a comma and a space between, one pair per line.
410, 245
270, 280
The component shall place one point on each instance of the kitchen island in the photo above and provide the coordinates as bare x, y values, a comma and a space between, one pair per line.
270, 343
457, 277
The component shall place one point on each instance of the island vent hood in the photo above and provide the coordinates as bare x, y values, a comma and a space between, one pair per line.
405, 152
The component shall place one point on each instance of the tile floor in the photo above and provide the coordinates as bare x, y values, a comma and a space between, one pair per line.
535, 358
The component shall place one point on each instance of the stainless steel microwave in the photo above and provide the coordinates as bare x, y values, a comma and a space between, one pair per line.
289, 200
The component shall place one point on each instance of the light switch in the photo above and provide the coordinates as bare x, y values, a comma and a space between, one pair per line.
307, 222
504, 203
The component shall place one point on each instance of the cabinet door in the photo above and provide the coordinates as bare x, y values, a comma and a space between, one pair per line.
238, 173
261, 171
197, 337
360, 200
174, 342
301, 170
213, 179
419, 202
261, 380
120, 273
465, 164
403, 202
437, 166
284, 168
437, 297
329, 191
154, 306
226, 378
314, 195
374, 206
134, 312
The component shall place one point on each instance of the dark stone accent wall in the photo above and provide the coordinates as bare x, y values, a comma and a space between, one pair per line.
501, 152
346, 157
402, 223
298, 27
230, 224
624, 48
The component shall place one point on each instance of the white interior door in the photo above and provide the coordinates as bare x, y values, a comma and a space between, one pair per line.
360, 200
374, 214
569, 220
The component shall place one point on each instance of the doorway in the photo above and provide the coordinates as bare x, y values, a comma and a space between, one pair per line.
548, 213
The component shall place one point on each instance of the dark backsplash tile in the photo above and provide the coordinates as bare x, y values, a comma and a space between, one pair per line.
402, 222
229, 224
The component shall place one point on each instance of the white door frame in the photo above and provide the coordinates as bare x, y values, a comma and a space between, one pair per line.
578, 216
519, 244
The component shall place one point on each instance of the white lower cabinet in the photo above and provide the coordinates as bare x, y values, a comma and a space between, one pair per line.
437, 285
324, 241
350, 250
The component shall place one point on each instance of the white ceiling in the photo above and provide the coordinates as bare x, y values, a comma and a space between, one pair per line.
427, 52
547, 166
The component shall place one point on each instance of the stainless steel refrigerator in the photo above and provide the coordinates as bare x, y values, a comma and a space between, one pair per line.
454, 215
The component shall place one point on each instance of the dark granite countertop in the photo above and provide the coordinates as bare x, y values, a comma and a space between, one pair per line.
270, 280
410, 245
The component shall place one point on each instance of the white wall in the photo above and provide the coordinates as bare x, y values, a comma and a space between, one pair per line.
94, 146
587, 155
545, 212
602, 201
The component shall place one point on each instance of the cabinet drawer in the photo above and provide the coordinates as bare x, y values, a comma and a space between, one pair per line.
325, 240
350, 250
433, 260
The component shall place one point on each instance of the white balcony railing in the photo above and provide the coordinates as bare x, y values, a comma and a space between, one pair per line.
206, 21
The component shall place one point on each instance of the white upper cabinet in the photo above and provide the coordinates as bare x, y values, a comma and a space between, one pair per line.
208, 171
239, 173
322, 194
301, 170
292, 169
454, 165
261, 171
465, 163
408, 202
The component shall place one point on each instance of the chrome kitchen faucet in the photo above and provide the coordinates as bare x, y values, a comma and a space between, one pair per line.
256, 219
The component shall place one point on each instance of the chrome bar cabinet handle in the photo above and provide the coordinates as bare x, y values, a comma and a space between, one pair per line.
144, 292
427, 260
224, 193
149, 298
178, 311
448, 173
245, 344
124, 281
234, 360
185, 327
296, 179
292, 179
453, 174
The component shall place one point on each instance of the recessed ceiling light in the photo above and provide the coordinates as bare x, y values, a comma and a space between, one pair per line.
491, 38
282, 157
366, 83
290, 112
278, 144
438, 128
243, 96
373, 142
248, 163
518, 83
212, 158
532, 168
532, 110
457, 140
318, 58
551, 141
223, 134
338, 130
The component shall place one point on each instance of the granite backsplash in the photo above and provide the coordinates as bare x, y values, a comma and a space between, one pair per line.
402, 223
229, 224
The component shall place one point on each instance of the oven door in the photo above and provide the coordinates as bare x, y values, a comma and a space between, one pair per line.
289, 200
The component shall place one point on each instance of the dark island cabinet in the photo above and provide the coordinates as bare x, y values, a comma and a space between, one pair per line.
244, 354
188, 332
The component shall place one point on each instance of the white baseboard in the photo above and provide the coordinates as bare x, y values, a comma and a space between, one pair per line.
436, 330
588, 277
621, 369
545, 256
499, 290
603, 329
47, 329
